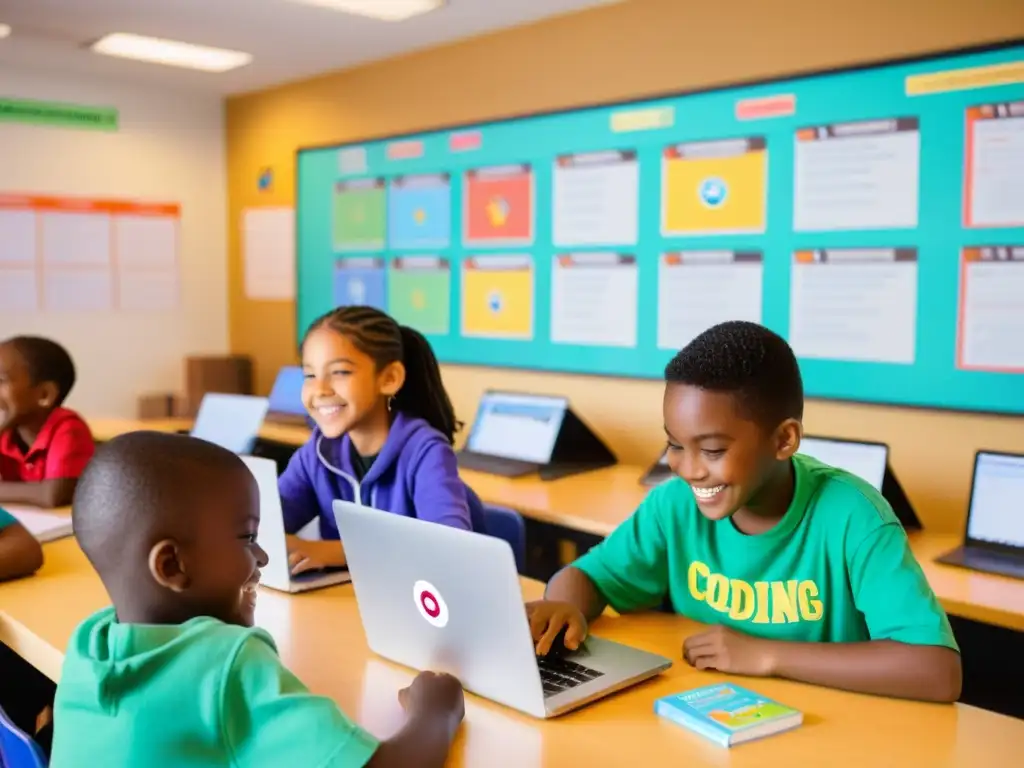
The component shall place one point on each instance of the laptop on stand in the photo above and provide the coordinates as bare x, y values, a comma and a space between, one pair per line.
276, 574
513, 434
437, 598
994, 536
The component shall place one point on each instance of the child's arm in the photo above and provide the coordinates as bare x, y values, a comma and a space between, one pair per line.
20, 553
628, 570
268, 717
439, 495
912, 653
298, 499
57, 492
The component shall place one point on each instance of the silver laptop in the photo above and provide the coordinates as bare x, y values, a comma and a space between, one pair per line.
230, 421
276, 573
438, 598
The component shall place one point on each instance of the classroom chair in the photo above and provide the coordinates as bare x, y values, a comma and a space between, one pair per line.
507, 524
17, 749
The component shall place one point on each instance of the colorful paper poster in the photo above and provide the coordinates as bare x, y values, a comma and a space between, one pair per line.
990, 333
497, 297
699, 289
499, 206
360, 281
420, 293
360, 211
419, 212
596, 199
854, 176
856, 304
994, 166
714, 187
594, 299
85, 255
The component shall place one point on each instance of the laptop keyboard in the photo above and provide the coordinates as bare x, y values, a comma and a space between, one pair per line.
560, 675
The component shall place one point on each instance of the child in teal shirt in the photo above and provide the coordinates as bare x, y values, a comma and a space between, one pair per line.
20, 553
174, 674
801, 569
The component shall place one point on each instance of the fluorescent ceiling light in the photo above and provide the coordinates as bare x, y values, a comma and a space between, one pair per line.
170, 52
4, 31
385, 10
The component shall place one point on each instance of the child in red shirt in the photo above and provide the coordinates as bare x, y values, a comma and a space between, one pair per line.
43, 447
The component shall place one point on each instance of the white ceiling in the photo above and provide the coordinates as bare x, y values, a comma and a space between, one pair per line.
289, 41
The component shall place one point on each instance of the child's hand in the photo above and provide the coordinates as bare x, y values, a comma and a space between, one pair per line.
434, 694
314, 555
727, 650
548, 617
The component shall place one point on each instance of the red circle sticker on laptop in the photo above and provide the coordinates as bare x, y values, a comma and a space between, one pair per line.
429, 603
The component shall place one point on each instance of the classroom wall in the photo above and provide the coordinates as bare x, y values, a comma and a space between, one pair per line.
641, 47
170, 148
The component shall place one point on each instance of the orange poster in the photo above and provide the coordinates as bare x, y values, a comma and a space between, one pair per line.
499, 206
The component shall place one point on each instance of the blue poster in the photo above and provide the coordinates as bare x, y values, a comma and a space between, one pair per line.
419, 212
360, 281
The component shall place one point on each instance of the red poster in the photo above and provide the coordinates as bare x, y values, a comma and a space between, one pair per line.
499, 206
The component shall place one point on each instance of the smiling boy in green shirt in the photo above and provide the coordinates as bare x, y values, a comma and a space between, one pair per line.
802, 569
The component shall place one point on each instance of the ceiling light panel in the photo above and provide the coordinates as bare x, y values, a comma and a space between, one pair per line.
170, 52
384, 10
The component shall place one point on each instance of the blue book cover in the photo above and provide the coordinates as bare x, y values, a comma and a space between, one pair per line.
728, 714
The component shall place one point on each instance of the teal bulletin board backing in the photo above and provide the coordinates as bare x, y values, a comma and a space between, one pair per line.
385, 221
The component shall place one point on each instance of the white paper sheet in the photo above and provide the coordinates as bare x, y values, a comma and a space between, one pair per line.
146, 242
78, 290
80, 239
17, 237
19, 290
45, 526
268, 243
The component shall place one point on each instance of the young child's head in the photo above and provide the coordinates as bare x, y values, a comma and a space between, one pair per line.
169, 522
733, 408
359, 364
36, 376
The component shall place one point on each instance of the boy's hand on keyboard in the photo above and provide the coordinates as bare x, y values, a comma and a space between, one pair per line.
433, 693
314, 556
548, 617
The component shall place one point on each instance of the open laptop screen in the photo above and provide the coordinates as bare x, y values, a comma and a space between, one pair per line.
997, 496
517, 426
230, 421
286, 396
866, 460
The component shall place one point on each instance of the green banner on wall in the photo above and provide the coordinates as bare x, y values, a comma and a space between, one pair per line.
59, 114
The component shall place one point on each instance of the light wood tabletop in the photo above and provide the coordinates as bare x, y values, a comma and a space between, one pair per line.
320, 638
596, 502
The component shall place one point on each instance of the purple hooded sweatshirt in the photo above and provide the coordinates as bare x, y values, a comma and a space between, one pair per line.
415, 474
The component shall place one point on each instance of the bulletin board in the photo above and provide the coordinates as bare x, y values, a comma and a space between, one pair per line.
874, 217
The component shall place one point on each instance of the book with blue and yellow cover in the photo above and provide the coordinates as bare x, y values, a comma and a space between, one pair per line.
728, 714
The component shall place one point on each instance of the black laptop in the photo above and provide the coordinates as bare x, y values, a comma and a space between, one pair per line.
994, 539
513, 434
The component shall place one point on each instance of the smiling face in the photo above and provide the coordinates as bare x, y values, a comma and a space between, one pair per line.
21, 400
343, 388
222, 560
725, 458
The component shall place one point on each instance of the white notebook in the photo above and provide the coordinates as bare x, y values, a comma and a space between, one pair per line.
45, 526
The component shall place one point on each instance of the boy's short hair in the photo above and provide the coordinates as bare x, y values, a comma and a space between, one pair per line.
748, 361
46, 360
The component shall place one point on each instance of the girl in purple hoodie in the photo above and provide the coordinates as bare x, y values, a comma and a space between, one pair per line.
384, 433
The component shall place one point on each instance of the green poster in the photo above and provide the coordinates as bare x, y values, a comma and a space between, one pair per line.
359, 215
58, 114
419, 294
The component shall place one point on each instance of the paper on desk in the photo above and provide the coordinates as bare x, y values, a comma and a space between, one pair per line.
45, 526
268, 247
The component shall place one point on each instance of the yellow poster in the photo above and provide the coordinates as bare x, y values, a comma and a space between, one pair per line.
497, 297
715, 187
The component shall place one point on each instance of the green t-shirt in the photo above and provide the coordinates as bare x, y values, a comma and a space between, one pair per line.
6, 518
836, 568
197, 694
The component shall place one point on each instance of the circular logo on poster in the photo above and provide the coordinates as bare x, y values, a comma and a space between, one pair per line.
494, 302
713, 192
429, 603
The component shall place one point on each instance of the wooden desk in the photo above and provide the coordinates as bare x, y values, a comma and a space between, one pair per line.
107, 429
597, 502
320, 638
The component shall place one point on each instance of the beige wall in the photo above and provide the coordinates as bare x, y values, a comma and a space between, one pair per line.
170, 148
641, 47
